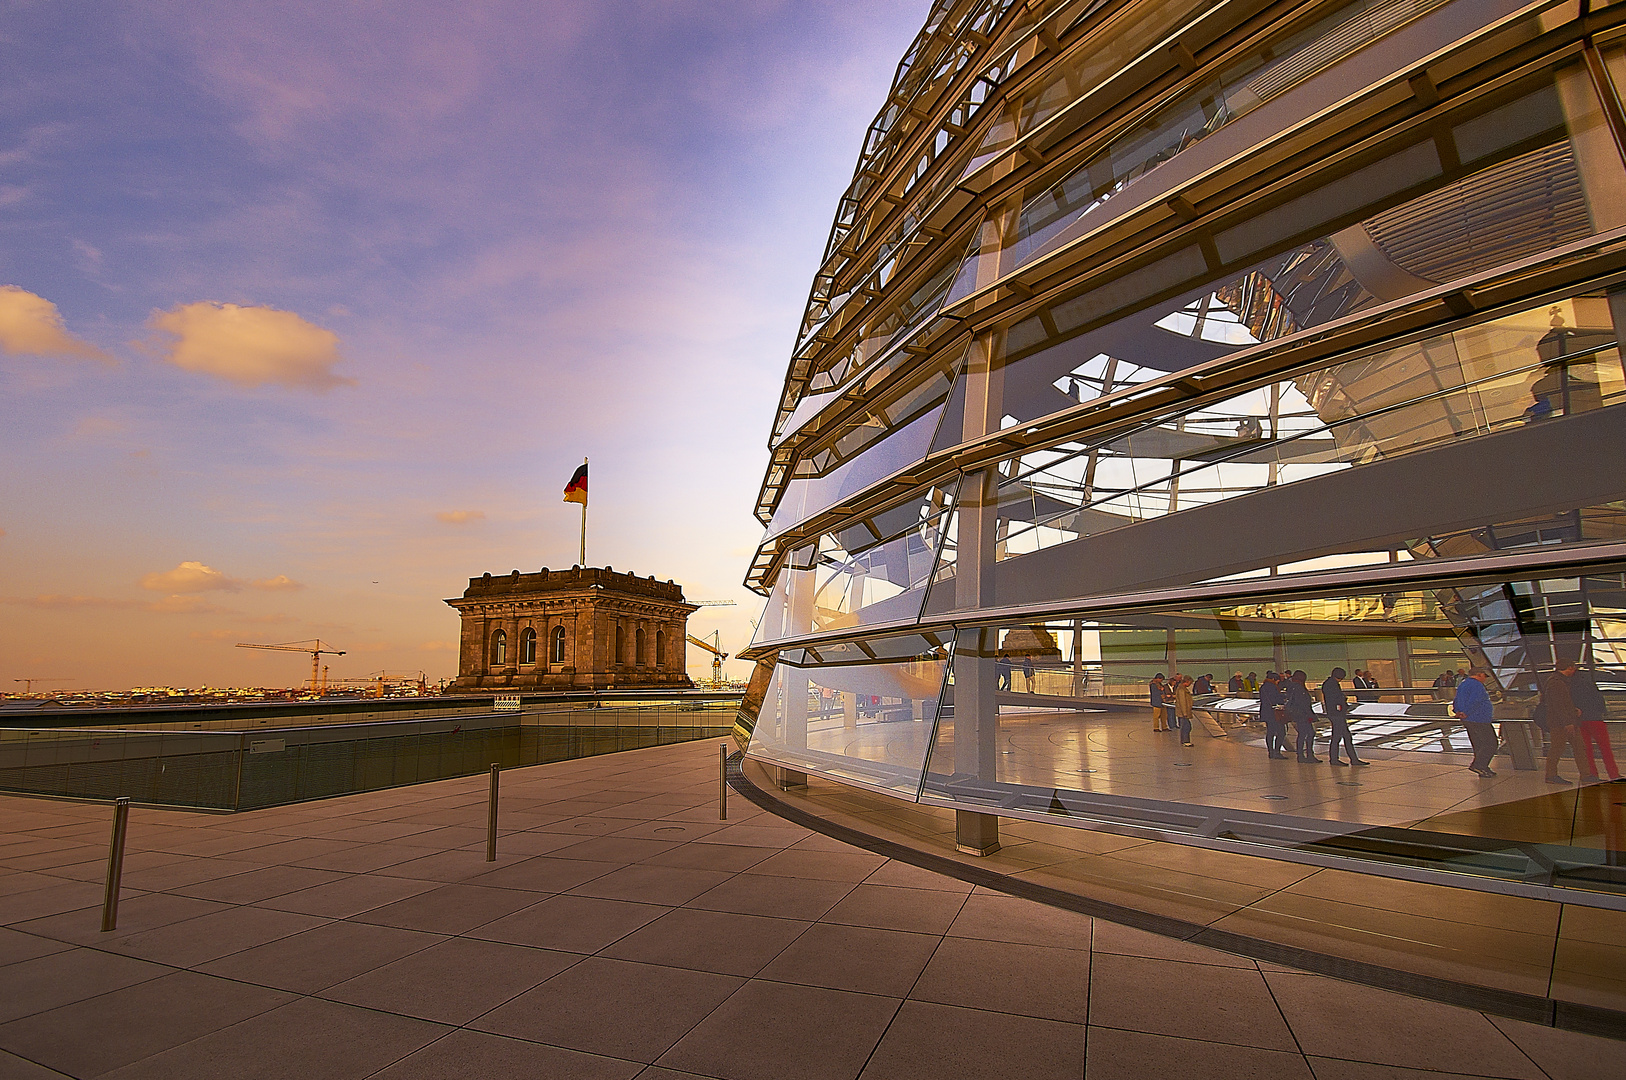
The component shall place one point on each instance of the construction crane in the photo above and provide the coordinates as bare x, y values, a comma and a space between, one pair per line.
315, 648
717, 654
28, 684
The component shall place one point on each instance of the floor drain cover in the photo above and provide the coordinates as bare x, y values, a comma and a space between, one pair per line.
672, 828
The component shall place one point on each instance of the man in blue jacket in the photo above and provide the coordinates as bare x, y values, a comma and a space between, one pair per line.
1472, 705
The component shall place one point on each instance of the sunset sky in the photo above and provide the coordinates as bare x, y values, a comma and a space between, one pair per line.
308, 311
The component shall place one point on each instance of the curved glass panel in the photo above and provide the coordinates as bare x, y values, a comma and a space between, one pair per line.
1054, 720
862, 714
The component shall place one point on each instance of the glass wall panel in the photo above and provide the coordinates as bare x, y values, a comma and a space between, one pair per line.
1542, 172
862, 714
1054, 720
1535, 367
1263, 74
873, 570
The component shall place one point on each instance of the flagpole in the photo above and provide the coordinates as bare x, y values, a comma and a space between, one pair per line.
584, 527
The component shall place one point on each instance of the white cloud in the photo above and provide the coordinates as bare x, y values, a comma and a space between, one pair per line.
280, 583
460, 517
250, 346
190, 577
30, 325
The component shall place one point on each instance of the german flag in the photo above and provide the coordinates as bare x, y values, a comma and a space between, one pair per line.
576, 490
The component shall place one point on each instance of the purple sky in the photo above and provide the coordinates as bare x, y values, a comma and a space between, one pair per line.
313, 308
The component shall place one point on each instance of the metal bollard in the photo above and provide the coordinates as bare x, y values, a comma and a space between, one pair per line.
115, 865
491, 816
722, 781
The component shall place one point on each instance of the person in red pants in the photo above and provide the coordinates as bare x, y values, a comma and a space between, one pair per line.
1590, 730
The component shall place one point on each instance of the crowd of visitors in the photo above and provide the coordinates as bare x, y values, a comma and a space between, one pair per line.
1571, 712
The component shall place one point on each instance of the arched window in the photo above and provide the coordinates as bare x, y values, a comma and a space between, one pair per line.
499, 647
620, 645
638, 644
527, 646
660, 648
558, 644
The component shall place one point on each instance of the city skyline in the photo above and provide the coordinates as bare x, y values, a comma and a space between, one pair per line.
309, 313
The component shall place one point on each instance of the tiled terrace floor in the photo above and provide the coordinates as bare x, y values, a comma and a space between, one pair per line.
626, 932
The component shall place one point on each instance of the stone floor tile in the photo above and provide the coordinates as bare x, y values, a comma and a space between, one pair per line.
927, 1042
450, 909
94, 1036
616, 849
1110, 937
858, 958
259, 884
452, 982
545, 874
904, 875
752, 894
350, 895
717, 941
799, 862
579, 924
178, 875
569, 1009
208, 937
316, 959
1566, 1055
308, 1038
19, 945
998, 917
1189, 1001
888, 907
1002, 976
144, 911
475, 1055
669, 885
453, 864
711, 857
795, 1033
1360, 1023
13, 1067
1113, 1054
672, 832
1338, 1069
774, 834
49, 982
51, 900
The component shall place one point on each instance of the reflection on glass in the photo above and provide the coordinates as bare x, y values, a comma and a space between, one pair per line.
874, 570
1054, 720
862, 714
1535, 366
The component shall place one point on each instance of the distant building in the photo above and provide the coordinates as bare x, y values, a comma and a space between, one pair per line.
580, 629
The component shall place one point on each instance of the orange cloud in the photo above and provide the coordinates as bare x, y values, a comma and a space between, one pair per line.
190, 577
460, 517
280, 583
185, 605
250, 346
30, 325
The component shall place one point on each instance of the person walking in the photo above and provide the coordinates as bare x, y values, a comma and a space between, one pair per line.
1335, 703
1154, 693
1558, 708
1270, 711
1182, 707
1003, 666
1472, 705
1590, 729
1027, 673
1300, 709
